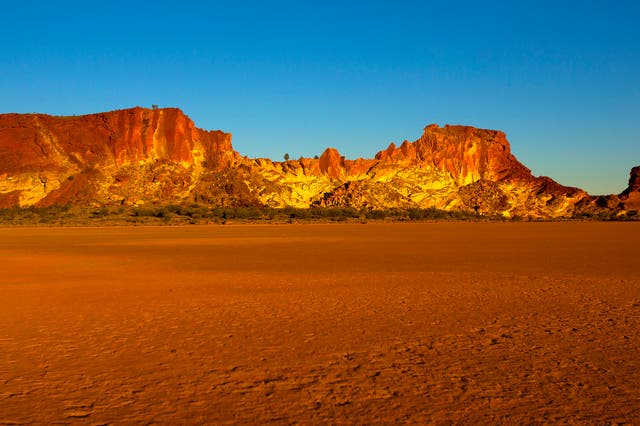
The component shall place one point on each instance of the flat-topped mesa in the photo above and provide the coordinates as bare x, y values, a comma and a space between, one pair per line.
105, 157
137, 156
467, 153
38, 142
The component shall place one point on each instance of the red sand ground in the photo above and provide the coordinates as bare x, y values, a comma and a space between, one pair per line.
433, 322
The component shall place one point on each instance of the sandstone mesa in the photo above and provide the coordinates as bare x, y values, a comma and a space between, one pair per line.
142, 156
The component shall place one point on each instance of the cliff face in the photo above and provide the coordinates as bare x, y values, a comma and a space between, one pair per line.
634, 182
138, 156
455, 167
467, 154
630, 197
51, 160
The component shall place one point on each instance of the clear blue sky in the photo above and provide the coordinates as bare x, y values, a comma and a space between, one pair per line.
561, 78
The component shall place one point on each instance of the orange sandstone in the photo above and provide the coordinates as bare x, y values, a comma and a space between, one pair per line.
138, 156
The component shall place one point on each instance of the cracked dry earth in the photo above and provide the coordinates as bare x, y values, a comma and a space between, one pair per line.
464, 323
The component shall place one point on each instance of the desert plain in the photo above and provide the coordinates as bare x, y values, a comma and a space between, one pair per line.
378, 323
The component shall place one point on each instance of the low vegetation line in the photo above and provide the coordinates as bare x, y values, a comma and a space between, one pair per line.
183, 214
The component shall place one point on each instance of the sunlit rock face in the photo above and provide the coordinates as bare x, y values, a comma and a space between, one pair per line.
454, 167
128, 155
465, 153
138, 156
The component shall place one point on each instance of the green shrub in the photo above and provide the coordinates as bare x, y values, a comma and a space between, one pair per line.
376, 214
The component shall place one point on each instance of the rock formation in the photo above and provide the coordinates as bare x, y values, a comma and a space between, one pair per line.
633, 190
105, 157
454, 167
137, 156
631, 196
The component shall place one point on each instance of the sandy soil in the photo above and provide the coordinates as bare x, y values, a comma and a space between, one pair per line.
355, 324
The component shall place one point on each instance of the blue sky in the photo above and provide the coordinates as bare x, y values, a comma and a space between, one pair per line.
561, 78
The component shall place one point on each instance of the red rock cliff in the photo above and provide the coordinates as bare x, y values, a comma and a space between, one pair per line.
467, 153
54, 160
38, 142
331, 163
136, 156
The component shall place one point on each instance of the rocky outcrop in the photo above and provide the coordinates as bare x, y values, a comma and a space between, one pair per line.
626, 204
331, 163
139, 155
634, 183
453, 167
43, 142
51, 160
465, 153
630, 197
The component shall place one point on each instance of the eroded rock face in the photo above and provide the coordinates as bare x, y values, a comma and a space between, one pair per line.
634, 182
32, 141
454, 167
142, 155
466, 153
54, 160
331, 163
627, 203
631, 196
